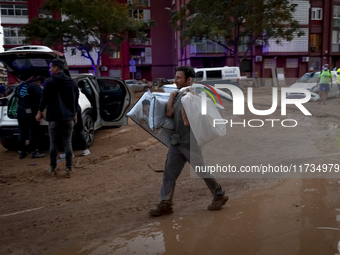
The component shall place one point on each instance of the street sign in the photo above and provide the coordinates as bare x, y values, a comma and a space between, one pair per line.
132, 62
132, 69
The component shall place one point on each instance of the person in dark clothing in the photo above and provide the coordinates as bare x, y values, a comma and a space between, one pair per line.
28, 94
60, 97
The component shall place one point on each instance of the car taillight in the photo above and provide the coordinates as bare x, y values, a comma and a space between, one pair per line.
239, 80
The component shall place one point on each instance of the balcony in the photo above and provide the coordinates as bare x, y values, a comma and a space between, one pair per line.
206, 48
142, 60
139, 42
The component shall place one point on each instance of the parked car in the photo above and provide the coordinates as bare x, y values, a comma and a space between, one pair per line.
159, 82
308, 81
104, 101
137, 86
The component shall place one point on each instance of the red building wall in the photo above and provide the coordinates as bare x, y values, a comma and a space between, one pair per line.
162, 40
161, 36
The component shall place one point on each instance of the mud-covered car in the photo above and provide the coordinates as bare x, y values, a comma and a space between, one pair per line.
309, 81
159, 82
104, 101
137, 86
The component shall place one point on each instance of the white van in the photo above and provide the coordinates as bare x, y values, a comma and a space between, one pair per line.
225, 74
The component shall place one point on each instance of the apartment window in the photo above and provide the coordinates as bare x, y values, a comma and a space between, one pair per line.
13, 36
139, 2
13, 10
315, 42
244, 43
335, 41
336, 16
316, 13
269, 63
292, 63
44, 14
140, 14
115, 54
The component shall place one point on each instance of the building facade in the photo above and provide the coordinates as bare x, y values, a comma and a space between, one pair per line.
3, 75
319, 19
154, 58
163, 51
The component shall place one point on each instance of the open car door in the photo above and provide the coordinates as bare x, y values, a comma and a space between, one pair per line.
115, 100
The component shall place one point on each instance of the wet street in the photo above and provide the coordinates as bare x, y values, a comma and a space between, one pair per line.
295, 216
103, 208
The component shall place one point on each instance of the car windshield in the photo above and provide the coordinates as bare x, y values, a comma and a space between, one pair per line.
309, 77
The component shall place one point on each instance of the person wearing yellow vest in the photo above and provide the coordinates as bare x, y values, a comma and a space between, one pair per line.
325, 77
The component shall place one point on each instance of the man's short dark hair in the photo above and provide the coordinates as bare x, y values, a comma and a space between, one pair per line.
40, 78
187, 70
58, 63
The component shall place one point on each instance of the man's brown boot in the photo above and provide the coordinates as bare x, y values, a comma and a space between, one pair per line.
52, 171
68, 172
217, 204
164, 207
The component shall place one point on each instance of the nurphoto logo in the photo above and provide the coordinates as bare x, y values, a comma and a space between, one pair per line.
238, 105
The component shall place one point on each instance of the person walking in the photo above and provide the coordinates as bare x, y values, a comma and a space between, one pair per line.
183, 148
60, 97
325, 77
29, 94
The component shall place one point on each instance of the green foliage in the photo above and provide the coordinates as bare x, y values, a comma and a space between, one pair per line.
226, 22
100, 25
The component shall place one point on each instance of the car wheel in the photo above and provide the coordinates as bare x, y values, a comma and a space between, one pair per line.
10, 142
88, 129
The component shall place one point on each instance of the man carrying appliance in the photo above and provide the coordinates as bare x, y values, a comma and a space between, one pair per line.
183, 148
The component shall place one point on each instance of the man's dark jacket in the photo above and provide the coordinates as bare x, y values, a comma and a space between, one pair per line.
60, 97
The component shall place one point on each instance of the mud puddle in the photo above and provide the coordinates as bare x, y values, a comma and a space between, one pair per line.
297, 216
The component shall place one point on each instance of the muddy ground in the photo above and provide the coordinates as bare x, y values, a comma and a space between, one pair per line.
103, 208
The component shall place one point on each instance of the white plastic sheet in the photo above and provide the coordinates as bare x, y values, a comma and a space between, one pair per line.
157, 117
142, 114
202, 126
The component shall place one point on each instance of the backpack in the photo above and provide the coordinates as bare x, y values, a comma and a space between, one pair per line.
21, 90
21, 93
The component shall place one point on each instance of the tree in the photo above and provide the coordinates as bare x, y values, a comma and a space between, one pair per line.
86, 25
229, 22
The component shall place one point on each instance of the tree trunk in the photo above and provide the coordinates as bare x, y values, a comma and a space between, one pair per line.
97, 70
236, 60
